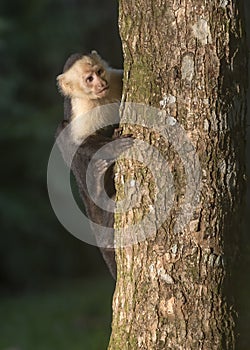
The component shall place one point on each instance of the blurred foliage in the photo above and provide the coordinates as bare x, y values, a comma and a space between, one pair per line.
35, 40
74, 317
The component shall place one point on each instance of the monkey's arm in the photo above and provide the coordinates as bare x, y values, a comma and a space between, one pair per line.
109, 149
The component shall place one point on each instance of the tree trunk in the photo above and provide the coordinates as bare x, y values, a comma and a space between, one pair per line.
188, 60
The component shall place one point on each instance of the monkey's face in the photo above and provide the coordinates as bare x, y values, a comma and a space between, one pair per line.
86, 78
95, 82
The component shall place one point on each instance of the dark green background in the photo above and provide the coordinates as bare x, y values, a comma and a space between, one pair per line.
36, 37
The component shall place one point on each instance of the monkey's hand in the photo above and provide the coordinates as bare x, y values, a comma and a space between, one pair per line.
123, 144
115, 148
117, 133
102, 166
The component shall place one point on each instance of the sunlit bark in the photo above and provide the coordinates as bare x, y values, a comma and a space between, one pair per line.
190, 55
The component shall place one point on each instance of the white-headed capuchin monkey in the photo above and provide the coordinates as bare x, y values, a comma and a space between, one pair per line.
88, 84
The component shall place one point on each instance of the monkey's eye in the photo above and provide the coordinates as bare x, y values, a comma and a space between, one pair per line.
89, 79
100, 71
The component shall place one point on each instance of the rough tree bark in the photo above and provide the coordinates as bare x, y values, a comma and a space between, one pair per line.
190, 55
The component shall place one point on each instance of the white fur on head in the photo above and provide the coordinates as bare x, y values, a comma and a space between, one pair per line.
69, 83
64, 85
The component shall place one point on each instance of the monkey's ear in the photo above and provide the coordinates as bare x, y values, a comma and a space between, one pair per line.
64, 85
95, 55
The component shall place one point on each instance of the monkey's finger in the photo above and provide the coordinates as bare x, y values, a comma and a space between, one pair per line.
101, 166
117, 132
